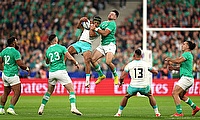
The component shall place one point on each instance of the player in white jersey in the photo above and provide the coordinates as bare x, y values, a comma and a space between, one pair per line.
84, 47
138, 70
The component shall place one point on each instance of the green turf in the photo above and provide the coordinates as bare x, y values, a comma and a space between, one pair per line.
97, 108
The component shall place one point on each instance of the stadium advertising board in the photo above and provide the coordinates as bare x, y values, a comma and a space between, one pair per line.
106, 87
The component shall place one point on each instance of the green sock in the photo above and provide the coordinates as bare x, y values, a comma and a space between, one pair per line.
178, 109
72, 97
98, 69
114, 72
11, 106
121, 107
189, 102
45, 98
1, 106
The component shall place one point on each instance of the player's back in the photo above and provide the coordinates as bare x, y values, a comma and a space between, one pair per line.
138, 70
55, 53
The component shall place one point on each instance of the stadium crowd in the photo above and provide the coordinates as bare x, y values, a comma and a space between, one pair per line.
31, 22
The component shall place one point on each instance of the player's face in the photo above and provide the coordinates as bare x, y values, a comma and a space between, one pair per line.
96, 23
16, 44
185, 46
112, 16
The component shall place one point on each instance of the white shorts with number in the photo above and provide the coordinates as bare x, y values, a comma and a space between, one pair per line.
10, 81
185, 82
60, 76
107, 48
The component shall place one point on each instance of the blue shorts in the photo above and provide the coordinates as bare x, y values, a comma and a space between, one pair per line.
81, 46
134, 90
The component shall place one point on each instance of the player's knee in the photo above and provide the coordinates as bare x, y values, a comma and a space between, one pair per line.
108, 62
88, 60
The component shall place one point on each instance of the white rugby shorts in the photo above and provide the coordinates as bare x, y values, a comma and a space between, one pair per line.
60, 76
10, 81
107, 48
185, 82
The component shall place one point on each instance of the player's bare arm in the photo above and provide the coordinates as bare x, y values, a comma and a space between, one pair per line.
103, 32
171, 67
22, 65
83, 19
178, 60
92, 32
1, 64
154, 71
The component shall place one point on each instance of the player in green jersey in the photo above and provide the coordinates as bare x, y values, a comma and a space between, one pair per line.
10, 58
56, 55
107, 48
185, 64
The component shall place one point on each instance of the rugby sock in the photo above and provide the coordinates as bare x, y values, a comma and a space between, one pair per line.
178, 109
87, 78
11, 106
155, 108
72, 99
114, 72
189, 102
1, 106
98, 69
121, 108
45, 98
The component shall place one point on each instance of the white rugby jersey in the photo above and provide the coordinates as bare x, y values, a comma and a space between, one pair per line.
86, 36
138, 70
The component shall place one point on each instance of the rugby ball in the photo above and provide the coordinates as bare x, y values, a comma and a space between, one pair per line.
86, 25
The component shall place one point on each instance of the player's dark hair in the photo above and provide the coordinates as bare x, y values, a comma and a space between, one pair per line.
10, 40
116, 12
97, 18
191, 45
138, 52
51, 37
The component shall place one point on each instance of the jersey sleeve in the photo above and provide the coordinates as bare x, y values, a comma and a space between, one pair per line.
64, 49
111, 26
126, 68
184, 55
17, 55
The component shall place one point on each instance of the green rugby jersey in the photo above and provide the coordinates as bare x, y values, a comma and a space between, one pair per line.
111, 25
9, 56
187, 65
55, 54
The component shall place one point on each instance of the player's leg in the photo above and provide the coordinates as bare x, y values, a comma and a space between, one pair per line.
72, 50
152, 102
45, 98
72, 98
15, 84
17, 91
130, 92
96, 56
187, 100
175, 94
87, 60
110, 52
66, 81
109, 57
7, 90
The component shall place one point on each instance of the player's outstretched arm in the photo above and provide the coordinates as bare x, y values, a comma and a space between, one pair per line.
153, 70
178, 60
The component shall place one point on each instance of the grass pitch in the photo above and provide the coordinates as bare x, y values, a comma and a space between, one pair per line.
97, 108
